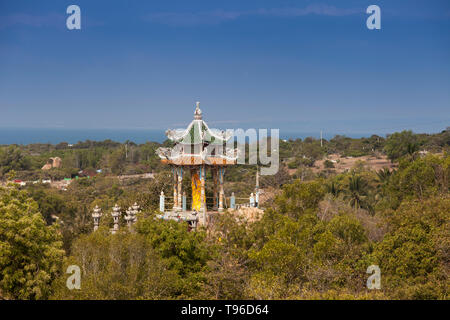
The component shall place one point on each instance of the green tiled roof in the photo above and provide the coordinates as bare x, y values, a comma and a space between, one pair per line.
197, 132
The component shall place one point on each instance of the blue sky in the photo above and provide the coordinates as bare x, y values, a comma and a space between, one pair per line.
300, 66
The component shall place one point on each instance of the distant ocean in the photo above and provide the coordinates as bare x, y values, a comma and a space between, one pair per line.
139, 136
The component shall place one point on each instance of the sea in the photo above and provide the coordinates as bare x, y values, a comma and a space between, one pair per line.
23, 136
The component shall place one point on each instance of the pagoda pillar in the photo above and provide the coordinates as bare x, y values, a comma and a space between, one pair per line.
215, 182
175, 188
180, 184
221, 193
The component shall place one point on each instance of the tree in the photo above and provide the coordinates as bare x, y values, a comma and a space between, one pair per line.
30, 251
225, 278
421, 178
299, 197
50, 203
300, 257
333, 189
12, 158
384, 175
119, 266
184, 252
227, 272
400, 144
356, 192
414, 255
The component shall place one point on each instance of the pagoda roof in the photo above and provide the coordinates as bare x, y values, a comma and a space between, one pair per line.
198, 132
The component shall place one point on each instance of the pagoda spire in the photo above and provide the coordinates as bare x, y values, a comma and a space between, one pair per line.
198, 111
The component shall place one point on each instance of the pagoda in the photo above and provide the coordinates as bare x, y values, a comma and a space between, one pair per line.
197, 149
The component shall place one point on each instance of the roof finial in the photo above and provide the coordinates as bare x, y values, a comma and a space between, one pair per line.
198, 111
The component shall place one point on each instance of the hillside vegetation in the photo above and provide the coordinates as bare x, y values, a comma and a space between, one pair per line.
321, 229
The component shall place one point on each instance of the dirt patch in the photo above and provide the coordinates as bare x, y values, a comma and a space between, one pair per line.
342, 164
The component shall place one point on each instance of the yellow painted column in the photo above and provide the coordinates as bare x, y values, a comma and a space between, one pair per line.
196, 191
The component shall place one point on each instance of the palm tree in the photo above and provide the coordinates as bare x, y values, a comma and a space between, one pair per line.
357, 191
333, 189
384, 175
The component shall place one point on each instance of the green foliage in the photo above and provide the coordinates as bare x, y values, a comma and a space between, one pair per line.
328, 164
50, 203
333, 188
186, 252
350, 147
421, 178
299, 197
384, 175
315, 240
120, 266
30, 251
347, 229
12, 158
414, 255
356, 192
305, 254
400, 144
227, 273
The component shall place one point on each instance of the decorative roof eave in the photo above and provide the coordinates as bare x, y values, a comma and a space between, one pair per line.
180, 135
196, 161
221, 135
171, 156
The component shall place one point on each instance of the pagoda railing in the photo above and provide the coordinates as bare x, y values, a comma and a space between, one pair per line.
230, 202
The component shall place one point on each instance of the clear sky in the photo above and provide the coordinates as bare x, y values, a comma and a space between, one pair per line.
299, 66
